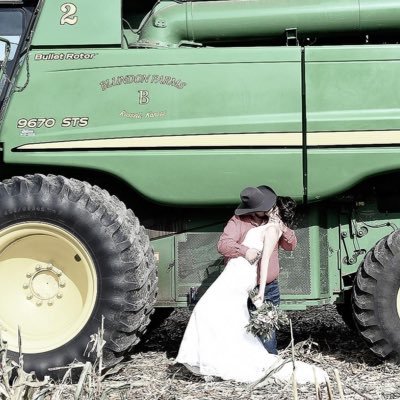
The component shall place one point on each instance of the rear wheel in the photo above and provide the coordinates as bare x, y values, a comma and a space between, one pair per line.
376, 297
69, 254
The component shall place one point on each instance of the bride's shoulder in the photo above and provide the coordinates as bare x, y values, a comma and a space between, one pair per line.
273, 224
273, 227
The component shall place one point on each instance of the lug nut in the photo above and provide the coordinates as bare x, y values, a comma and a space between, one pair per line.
50, 303
29, 275
39, 303
38, 267
59, 296
62, 284
29, 297
25, 286
59, 273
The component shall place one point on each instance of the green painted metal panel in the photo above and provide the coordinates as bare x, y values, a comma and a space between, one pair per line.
240, 91
349, 54
186, 177
360, 230
79, 23
332, 171
352, 88
334, 254
258, 91
165, 257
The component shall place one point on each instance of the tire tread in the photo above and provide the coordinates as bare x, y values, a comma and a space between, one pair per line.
137, 267
365, 290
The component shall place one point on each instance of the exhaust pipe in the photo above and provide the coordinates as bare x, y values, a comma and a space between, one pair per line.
172, 23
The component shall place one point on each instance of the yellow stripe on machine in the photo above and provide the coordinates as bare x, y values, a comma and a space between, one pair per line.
227, 140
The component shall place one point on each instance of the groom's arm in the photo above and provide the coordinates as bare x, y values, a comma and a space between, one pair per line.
288, 240
228, 244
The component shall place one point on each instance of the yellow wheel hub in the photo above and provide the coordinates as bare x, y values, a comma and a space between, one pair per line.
48, 286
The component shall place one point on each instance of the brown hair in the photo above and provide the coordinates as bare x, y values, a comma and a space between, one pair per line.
286, 207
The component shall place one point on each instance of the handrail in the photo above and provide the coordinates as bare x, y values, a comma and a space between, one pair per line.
3, 65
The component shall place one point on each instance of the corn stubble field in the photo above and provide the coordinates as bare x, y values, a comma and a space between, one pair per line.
150, 373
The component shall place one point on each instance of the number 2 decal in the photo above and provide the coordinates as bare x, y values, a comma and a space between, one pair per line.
69, 16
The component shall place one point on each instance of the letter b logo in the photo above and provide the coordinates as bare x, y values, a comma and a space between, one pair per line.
144, 97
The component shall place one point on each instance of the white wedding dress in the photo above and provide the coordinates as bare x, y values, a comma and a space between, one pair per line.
216, 342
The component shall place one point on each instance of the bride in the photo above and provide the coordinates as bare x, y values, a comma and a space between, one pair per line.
216, 342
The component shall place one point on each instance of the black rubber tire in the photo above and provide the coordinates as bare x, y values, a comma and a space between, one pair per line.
119, 246
375, 292
345, 310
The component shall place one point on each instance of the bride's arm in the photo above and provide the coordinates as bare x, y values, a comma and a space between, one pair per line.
271, 237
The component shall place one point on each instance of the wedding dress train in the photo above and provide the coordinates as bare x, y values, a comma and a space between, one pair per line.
216, 342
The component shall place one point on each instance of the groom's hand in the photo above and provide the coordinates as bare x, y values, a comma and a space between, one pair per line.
252, 255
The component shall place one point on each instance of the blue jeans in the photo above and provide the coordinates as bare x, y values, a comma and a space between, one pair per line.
271, 294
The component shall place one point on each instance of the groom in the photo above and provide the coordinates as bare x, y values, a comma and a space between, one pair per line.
253, 210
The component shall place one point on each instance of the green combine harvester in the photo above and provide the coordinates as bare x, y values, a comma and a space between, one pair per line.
129, 128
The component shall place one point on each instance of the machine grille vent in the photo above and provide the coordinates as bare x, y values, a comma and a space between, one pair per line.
295, 275
324, 252
199, 262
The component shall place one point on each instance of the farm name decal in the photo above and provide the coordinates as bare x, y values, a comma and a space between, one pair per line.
143, 96
142, 78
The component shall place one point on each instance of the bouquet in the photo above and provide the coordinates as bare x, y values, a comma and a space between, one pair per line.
265, 319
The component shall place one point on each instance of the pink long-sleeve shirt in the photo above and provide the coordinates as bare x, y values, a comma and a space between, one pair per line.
230, 242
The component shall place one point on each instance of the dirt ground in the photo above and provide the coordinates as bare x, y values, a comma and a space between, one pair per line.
320, 335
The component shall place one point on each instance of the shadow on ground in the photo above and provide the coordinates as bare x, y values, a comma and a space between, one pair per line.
322, 325
325, 327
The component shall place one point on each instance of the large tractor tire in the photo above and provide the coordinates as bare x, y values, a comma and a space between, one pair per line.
69, 254
376, 298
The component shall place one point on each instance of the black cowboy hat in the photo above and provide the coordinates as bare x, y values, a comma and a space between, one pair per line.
254, 199
265, 189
